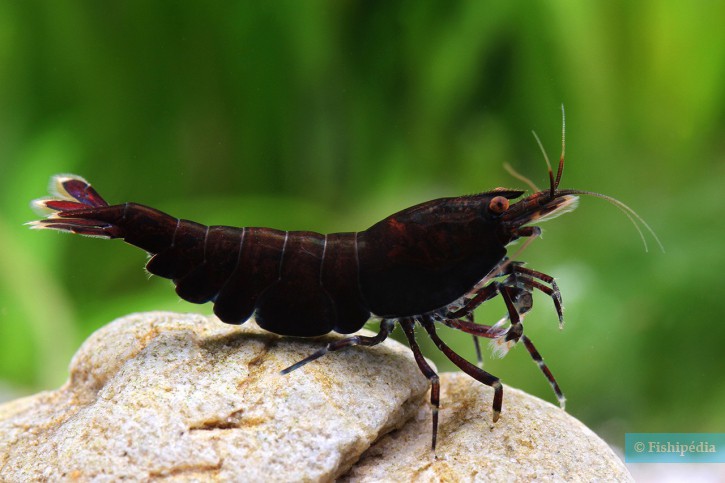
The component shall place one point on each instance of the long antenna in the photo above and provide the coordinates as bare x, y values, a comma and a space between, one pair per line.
552, 188
563, 150
631, 214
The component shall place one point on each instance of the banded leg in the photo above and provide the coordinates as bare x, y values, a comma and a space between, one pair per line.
549, 376
518, 300
386, 327
478, 330
468, 325
520, 304
516, 330
483, 294
475, 372
517, 270
522, 278
526, 278
408, 326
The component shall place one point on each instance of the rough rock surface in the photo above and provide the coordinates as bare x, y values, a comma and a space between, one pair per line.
162, 395
184, 397
532, 441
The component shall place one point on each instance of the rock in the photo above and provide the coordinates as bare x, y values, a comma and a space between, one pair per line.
184, 397
533, 440
181, 397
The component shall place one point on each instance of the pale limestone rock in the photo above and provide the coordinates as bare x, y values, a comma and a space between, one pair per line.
186, 397
532, 441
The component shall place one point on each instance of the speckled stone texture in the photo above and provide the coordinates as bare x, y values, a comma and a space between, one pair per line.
162, 395
186, 398
533, 441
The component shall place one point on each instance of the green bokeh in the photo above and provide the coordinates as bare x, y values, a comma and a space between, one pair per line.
328, 116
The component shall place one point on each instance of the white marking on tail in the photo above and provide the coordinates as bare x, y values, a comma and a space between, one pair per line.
40, 208
56, 185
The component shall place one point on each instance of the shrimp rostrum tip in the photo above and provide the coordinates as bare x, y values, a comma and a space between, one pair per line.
429, 264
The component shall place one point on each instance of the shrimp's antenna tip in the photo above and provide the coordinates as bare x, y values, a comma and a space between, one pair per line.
560, 171
548, 164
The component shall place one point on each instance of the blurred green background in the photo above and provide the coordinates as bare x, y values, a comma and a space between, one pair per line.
328, 116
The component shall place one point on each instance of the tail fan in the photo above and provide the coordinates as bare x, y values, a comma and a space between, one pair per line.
73, 200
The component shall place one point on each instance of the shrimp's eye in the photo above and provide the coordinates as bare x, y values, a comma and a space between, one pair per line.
498, 205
